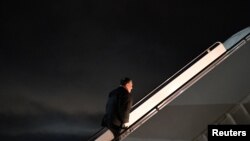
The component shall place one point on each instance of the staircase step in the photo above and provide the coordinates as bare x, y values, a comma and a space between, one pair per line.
202, 137
240, 115
247, 106
228, 120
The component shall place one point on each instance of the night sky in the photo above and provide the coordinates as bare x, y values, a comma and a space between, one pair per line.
60, 59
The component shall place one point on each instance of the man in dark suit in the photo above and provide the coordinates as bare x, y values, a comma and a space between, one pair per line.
118, 107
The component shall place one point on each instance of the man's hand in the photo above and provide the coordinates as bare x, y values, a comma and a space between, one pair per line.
125, 125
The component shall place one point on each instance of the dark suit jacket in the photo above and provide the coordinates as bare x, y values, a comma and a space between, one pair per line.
118, 107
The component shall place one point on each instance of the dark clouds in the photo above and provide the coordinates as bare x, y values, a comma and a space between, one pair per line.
59, 59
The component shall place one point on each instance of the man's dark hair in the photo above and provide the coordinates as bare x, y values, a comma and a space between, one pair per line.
124, 81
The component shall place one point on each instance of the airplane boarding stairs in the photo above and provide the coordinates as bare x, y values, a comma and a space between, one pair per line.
178, 83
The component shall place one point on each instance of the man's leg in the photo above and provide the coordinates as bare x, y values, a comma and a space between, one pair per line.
116, 130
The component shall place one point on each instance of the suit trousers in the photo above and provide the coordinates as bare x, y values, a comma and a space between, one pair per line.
116, 130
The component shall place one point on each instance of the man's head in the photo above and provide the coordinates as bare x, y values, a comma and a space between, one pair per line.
127, 84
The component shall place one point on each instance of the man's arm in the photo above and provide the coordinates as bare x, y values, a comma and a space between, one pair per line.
124, 107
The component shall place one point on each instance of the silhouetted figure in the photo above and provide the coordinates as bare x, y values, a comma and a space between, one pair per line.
118, 108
